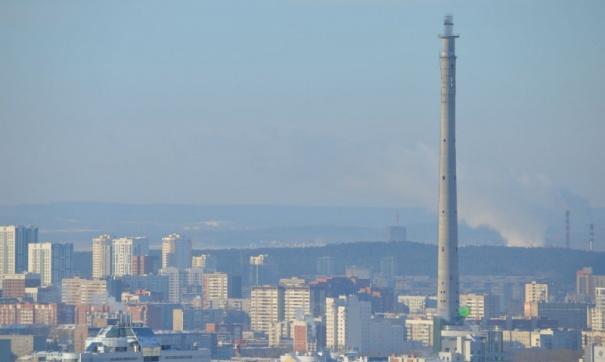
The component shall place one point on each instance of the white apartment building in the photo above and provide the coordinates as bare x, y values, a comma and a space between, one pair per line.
266, 307
14, 240
536, 292
176, 252
101, 256
123, 249
215, 290
481, 305
53, 261
347, 323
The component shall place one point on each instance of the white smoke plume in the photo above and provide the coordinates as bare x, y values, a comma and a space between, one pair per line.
520, 208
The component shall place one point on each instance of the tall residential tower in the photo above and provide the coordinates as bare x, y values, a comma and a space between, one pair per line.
101, 256
53, 261
447, 274
176, 252
14, 241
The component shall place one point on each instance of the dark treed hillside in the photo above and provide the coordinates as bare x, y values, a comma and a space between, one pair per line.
420, 259
415, 259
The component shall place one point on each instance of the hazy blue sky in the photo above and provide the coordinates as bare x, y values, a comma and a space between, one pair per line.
304, 103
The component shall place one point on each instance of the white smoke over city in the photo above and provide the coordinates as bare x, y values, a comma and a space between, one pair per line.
520, 207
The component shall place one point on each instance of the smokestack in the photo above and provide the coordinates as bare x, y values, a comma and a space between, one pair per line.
447, 274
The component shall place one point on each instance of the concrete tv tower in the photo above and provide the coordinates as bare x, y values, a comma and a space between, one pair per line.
448, 292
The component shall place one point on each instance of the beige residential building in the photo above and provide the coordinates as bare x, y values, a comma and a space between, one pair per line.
176, 252
481, 305
83, 291
536, 292
14, 241
101, 256
420, 330
598, 312
297, 302
215, 289
266, 307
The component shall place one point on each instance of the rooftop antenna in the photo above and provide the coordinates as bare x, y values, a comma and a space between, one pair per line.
448, 25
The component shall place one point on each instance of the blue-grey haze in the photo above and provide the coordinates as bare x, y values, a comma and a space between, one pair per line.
308, 103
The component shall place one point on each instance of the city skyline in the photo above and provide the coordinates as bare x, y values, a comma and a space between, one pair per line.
304, 104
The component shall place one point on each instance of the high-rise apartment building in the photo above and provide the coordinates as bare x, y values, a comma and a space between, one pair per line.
176, 252
53, 261
123, 249
420, 330
598, 312
176, 279
536, 292
297, 302
482, 306
586, 282
347, 323
14, 240
101, 256
14, 285
266, 307
215, 290
83, 291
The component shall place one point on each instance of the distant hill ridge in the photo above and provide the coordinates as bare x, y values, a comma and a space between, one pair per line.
413, 258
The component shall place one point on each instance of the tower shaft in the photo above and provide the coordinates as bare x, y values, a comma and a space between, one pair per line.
447, 274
